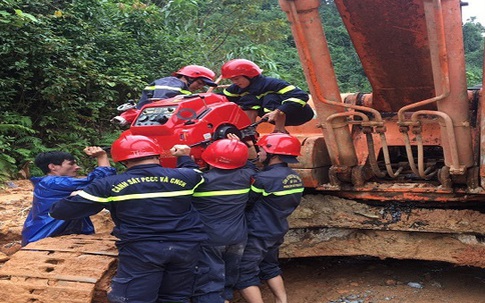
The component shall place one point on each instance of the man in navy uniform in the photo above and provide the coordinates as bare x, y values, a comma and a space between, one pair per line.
158, 229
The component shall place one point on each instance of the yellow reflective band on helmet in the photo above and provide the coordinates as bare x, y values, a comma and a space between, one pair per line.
296, 100
277, 193
221, 192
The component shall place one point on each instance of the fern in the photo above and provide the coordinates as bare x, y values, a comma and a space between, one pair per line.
16, 144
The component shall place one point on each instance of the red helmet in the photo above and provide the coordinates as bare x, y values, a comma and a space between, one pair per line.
226, 154
197, 71
280, 144
240, 67
132, 147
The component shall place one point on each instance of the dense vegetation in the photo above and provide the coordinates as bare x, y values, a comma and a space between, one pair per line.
66, 65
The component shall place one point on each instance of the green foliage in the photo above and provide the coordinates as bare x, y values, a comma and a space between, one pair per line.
473, 35
16, 142
12, 16
349, 70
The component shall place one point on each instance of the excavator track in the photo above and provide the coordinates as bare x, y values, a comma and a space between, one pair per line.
72, 268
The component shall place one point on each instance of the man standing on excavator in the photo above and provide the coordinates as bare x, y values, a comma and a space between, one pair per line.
282, 103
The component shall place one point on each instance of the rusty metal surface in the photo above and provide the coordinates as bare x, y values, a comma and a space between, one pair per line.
481, 139
456, 104
481, 161
391, 40
430, 132
319, 72
60, 269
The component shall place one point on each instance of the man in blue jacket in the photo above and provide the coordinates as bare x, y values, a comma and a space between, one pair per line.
59, 182
159, 230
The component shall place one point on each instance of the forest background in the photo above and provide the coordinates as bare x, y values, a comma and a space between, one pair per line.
67, 64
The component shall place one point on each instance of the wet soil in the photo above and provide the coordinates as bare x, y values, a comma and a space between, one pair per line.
308, 280
371, 280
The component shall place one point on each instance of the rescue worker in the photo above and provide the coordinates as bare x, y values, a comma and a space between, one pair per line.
185, 81
221, 202
282, 103
275, 194
60, 169
158, 230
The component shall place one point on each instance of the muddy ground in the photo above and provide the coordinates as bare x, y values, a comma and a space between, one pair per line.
308, 280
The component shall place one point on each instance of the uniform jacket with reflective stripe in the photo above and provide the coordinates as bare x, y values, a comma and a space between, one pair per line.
147, 202
275, 193
49, 189
221, 202
267, 94
163, 88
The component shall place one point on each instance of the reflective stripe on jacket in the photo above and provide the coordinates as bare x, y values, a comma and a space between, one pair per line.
268, 94
221, 202
147, 203
163, 88
275, 194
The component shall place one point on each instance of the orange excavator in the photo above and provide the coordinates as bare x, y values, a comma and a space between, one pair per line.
396, 173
